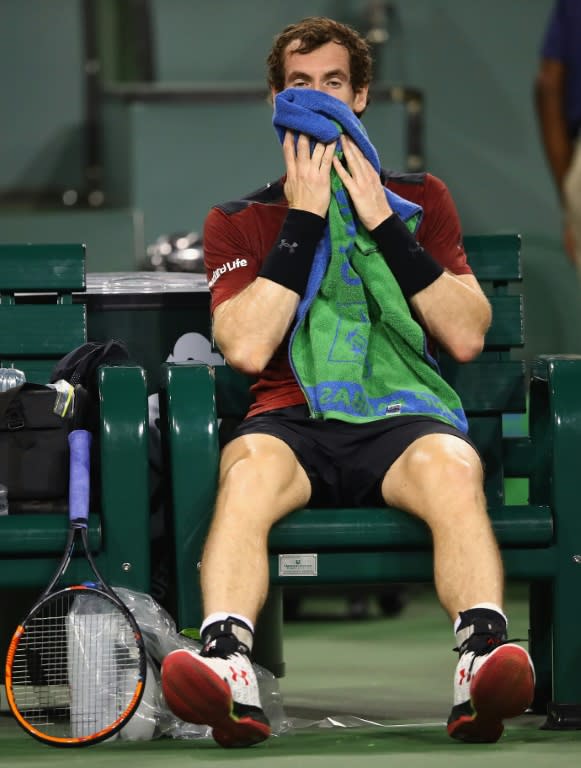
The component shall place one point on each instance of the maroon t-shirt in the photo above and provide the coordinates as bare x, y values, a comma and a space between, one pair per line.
239, 235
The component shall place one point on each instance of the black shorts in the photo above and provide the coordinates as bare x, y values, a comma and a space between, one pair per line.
346, 463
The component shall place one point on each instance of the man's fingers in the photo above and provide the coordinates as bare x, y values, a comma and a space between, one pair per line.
341, 171
288, 149
321, 155
301, 162
303, 147
288, 142
353, 155
317, 154
328, 154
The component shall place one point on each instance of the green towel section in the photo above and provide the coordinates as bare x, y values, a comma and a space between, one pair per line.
357, 352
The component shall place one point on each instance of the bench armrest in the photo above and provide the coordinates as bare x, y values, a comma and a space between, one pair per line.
124, 453
191, 449
555, 426
555, 429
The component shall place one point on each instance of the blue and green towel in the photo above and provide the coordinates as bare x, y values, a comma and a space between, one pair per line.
355, 349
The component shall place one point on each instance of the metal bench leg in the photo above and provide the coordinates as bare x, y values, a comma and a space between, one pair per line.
268, 646
540, 642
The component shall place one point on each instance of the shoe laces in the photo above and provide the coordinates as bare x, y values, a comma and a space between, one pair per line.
485, 643
224, 647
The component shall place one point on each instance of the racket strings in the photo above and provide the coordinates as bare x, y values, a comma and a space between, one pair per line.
76, 667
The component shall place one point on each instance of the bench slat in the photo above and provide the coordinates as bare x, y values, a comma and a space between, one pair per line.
494, 257
374, 567
51, 267
41, 534
49, 330
389, 528
488, 387
507, 328
38, 371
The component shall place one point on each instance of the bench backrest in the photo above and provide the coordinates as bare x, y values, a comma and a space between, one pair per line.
491, 386
39, 323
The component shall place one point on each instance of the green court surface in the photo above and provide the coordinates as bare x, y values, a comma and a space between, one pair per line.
375, 690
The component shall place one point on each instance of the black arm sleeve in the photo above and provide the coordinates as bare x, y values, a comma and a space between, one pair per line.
290, 260
412, 266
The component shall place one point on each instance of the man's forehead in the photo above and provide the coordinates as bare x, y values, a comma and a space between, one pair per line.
333, 56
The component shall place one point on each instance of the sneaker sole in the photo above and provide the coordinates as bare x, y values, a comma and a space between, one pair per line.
505, 691
196, 694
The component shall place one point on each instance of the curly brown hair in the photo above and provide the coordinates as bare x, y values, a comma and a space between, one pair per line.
313, 32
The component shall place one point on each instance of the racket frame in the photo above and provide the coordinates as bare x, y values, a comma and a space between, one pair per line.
77, 529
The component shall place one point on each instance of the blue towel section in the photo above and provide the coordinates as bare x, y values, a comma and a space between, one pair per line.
322, 117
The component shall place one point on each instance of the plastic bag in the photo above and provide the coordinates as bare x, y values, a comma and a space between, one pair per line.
153, 717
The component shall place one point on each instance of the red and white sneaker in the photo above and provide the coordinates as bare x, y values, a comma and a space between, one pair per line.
220, 693
489, 688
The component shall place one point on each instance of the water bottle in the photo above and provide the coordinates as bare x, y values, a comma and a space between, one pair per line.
11, 377
3, 500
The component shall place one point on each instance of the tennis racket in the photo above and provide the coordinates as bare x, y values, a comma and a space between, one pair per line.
76, 666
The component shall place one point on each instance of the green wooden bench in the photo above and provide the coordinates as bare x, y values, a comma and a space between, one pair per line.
39, 323
540, 538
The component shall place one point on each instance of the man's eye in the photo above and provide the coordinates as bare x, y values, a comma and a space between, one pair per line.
334, 83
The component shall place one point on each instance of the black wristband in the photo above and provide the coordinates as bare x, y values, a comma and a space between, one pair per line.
412, 266
291, 257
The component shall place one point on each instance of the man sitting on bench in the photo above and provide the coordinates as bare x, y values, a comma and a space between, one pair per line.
332, 286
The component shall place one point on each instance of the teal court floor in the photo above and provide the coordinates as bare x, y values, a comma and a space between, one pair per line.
372, 692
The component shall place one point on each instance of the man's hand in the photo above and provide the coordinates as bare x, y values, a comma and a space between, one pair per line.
308, 177
362, 182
